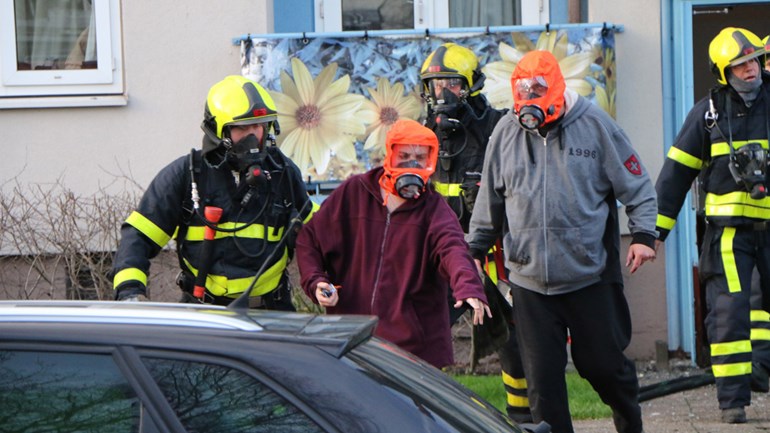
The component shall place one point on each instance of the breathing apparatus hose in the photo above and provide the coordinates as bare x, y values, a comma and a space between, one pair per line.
241, 303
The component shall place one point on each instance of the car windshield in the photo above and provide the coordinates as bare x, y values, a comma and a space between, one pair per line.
428, 388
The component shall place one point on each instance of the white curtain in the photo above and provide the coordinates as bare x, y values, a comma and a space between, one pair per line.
50, 31
481, 13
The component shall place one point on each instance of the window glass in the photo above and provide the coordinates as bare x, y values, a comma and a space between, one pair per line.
446, 402
57, 392
336, 15
377, 14
478, 13
215, 398
54, 48
55, 35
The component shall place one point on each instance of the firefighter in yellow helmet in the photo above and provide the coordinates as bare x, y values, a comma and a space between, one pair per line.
463, 120
724, 139
233, 208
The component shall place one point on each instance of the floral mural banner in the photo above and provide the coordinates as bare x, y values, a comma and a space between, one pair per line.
337, 96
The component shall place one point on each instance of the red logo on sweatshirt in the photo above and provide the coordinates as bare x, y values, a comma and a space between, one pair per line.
632, 165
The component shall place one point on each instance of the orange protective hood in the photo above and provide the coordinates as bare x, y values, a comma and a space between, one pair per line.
545, 65
407, 131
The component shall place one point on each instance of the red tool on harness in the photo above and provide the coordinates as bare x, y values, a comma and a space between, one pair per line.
212, 215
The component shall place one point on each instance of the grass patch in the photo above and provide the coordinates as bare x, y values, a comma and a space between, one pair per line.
584, 403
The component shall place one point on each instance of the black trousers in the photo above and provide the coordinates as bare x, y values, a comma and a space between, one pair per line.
728, 260
598, 321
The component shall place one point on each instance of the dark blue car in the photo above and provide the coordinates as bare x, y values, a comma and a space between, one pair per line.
116, 367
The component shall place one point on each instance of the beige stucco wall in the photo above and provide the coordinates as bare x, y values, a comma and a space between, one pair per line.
173, 52
639, 112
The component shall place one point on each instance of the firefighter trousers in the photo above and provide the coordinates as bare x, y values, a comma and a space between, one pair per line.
599, 324
516, 401
727, 262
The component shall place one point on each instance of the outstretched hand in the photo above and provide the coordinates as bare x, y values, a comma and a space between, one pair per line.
479, 308
637, 255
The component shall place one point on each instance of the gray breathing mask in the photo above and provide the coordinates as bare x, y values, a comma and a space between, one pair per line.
748, 166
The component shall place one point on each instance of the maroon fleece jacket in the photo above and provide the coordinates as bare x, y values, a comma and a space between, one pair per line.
395, 266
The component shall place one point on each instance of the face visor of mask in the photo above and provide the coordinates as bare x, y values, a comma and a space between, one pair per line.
531, 116
531, 88
447, 90
412, 165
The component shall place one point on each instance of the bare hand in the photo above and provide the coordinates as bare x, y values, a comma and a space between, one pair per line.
478, 309
637, 255
323, 299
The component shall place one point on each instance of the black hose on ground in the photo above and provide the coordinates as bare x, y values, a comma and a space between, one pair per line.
667, 387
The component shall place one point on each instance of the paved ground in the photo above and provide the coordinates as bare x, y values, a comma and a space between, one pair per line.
693, 411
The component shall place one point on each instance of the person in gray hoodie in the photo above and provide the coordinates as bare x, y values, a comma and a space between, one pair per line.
554, 170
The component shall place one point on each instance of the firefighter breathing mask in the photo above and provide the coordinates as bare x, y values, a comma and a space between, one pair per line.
244, 153
447, 96
410, 160
748, 165
538, 90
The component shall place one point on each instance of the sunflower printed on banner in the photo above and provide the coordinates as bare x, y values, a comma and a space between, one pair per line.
338, 96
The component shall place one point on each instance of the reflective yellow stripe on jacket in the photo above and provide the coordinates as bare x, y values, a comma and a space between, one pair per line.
220, 285
129, 274
148, 228
447, 189
737, 204
254, 231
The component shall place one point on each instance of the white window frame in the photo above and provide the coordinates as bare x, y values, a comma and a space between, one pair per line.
428, 14
64, 87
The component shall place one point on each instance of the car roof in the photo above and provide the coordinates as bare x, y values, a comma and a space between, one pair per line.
336, 334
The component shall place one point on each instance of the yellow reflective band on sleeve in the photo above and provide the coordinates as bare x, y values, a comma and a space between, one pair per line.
148, 228
722, 148
254, 231
728, 260
665, 222
737, 203
129, 274
760, 334
727, 370
760, 316
684, 158
447, 189
232, 287
514, 382
313, 210
731, 348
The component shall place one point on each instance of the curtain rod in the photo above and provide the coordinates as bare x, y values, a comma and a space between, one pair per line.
427, 32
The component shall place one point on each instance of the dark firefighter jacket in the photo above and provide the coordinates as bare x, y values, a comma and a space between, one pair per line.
699, 147
457, 178
165, 211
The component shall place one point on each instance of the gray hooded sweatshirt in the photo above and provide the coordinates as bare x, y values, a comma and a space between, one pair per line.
552, 194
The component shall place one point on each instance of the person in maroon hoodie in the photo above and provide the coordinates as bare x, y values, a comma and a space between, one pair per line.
385, 243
